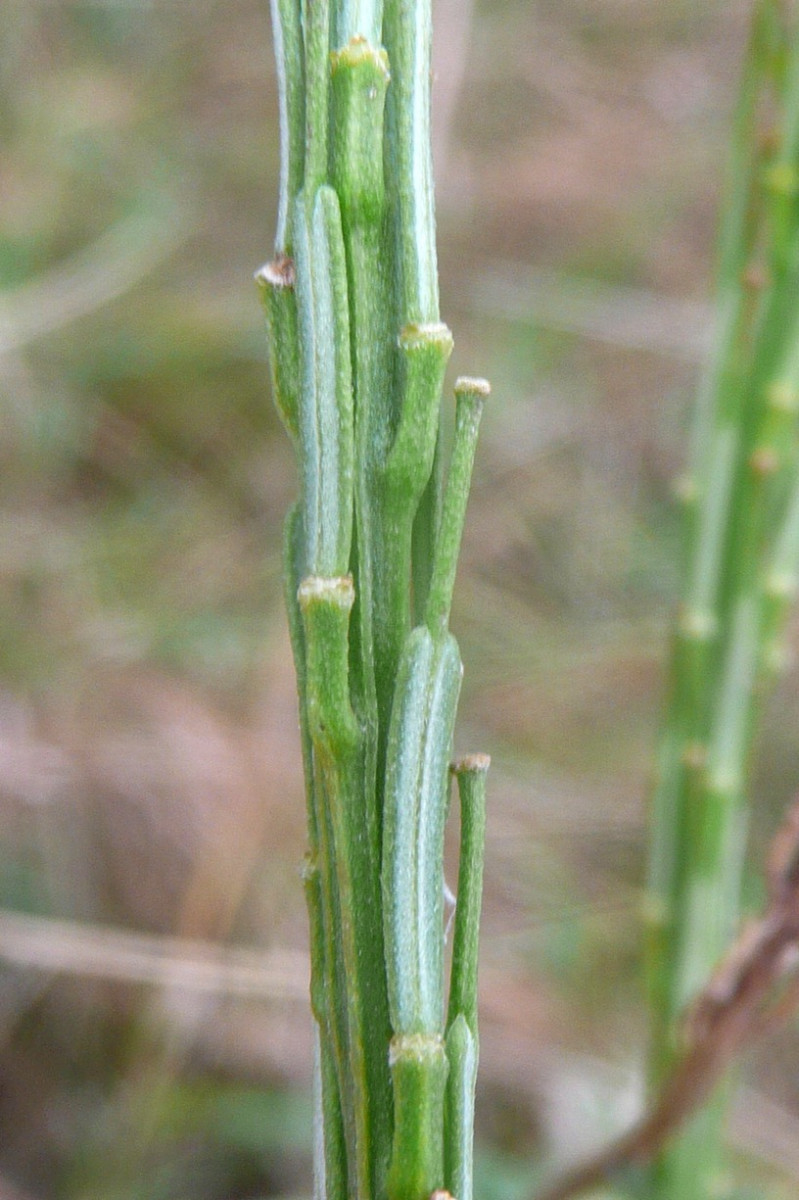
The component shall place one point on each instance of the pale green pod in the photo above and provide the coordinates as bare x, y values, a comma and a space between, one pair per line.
326, 406
470, 773
287, 32
315, 22
415, 806
470, 395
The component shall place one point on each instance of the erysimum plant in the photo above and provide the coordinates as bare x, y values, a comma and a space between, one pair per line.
741, 499
358, 355
710, 994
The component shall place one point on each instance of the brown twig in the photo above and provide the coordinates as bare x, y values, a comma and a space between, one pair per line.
753, 991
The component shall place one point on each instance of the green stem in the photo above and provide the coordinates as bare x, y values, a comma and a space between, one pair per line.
418, 1075
358, 356
745, 467
462, 1044
461, 1047
470, 395
470, 773
326, 605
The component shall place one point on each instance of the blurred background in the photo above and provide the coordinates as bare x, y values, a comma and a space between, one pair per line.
154, 1032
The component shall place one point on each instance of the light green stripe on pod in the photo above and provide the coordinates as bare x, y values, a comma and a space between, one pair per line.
419, 1075
287, 35
360, 80
415, 805
276, 284
353, 17
316, 42
461, 1047
424, 354
326, 407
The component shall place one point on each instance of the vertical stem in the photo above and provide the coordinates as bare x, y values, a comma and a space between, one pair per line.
358, 356
470, 773
470, 395
462, 1043
745, 465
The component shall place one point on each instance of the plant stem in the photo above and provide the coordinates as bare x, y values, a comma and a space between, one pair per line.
745, 468
358, 356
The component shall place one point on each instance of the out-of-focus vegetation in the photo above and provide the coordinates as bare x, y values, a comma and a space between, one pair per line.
149, 765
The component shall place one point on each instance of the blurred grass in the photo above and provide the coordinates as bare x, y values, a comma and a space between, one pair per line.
149, 773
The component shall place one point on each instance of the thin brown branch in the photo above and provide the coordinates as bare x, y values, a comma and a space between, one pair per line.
753, 991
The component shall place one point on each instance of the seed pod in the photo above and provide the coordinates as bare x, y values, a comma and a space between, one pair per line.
419, 740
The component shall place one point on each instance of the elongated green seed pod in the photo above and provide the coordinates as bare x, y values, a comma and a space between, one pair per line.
470, 773
316, 46
326, 409
415, 805
470, 396
286, 26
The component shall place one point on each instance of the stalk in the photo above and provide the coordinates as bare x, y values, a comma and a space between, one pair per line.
740, 522
358, 355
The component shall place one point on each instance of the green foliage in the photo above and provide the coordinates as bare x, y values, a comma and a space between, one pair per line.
741, 571
358, 357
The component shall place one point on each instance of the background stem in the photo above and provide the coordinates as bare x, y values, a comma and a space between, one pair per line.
743, 463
